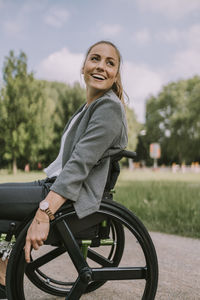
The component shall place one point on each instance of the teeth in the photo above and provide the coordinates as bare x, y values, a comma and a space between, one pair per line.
98, 76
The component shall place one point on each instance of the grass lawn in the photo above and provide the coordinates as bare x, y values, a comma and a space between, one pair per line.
164, 201
20, 176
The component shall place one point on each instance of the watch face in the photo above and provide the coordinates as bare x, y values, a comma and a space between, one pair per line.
44, 205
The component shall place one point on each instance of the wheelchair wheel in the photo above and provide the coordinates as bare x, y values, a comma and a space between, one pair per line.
102, 261
108, 253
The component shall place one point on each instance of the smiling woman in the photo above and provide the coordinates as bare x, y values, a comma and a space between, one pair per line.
101, 69
79, 173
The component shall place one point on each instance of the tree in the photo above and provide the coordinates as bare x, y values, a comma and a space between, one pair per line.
65, 100
22, 107
172, 119
133, 130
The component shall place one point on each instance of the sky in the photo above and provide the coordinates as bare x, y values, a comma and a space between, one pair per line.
159, 40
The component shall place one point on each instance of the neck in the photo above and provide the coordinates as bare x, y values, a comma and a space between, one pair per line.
93, 95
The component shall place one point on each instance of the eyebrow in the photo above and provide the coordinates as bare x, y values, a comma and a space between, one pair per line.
100, 55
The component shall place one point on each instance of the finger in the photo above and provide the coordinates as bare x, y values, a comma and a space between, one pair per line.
40, 243
27, 250
35, 244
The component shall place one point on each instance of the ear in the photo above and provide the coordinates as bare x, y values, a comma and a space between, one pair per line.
82, 70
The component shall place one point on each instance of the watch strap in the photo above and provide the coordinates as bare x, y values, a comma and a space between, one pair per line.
50, 214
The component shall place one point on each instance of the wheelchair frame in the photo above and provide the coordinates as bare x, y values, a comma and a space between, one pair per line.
71, 235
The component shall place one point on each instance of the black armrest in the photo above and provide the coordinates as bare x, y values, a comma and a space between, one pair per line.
128, 154
123, 153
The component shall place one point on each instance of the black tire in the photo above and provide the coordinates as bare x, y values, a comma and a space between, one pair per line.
119, 217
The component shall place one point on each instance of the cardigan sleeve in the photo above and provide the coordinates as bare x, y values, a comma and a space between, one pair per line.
103, 132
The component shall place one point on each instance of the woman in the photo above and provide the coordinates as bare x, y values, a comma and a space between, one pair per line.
94, 133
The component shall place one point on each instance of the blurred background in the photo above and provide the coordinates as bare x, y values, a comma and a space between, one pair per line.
42, 47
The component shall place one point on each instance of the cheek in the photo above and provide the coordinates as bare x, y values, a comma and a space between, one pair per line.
85, 72
88, 66
114, 76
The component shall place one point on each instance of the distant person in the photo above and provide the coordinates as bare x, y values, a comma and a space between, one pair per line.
96, 131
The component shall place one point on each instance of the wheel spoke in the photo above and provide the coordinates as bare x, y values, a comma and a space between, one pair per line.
77, 290
44, 259
119, 273
100, 259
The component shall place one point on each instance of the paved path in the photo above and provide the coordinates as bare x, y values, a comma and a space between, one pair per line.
179, 264
179, 268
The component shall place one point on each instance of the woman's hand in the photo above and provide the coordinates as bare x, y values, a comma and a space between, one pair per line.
39, 228
37, 233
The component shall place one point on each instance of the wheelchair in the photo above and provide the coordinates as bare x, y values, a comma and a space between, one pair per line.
81, 255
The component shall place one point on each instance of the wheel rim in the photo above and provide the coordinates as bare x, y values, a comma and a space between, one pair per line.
147, 249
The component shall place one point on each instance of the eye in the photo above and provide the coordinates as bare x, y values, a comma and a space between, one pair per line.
94, 58
111, 63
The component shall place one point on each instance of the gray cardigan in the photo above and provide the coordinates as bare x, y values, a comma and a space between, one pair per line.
99, 131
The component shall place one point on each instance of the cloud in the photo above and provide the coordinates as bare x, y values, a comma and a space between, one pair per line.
190, 36
193, 36
61, 66
56, 17
142, 37
30, 7
172, 36
111, 30
186, 63
171, 8
12, 28
23, 13
139, 82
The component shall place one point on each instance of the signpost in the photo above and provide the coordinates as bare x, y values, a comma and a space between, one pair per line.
155, 153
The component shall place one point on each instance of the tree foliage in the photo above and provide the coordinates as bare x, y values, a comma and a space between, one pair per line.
133, 129
172, 119
22, 107
65, 99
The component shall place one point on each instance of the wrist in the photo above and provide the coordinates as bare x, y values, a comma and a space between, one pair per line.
55, 201
39, 221
41, 215
44, 207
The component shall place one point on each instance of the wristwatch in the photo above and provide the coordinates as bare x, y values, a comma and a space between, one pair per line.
44, 206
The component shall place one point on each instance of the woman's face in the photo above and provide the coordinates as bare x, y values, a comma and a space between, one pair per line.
101, 67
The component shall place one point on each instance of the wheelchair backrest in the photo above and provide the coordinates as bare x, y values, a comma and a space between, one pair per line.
114, 169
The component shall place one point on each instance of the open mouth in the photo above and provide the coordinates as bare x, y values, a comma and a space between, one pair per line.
99, 77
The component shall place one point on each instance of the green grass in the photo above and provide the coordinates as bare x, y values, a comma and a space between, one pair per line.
20, 176
164, 201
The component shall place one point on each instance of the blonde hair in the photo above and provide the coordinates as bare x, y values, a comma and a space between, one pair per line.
117, 86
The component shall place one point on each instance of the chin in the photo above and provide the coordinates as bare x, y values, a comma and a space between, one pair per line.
100, 87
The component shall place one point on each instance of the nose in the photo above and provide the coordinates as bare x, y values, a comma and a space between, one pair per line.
101, 65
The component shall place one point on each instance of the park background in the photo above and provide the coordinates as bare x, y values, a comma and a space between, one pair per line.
41, 53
